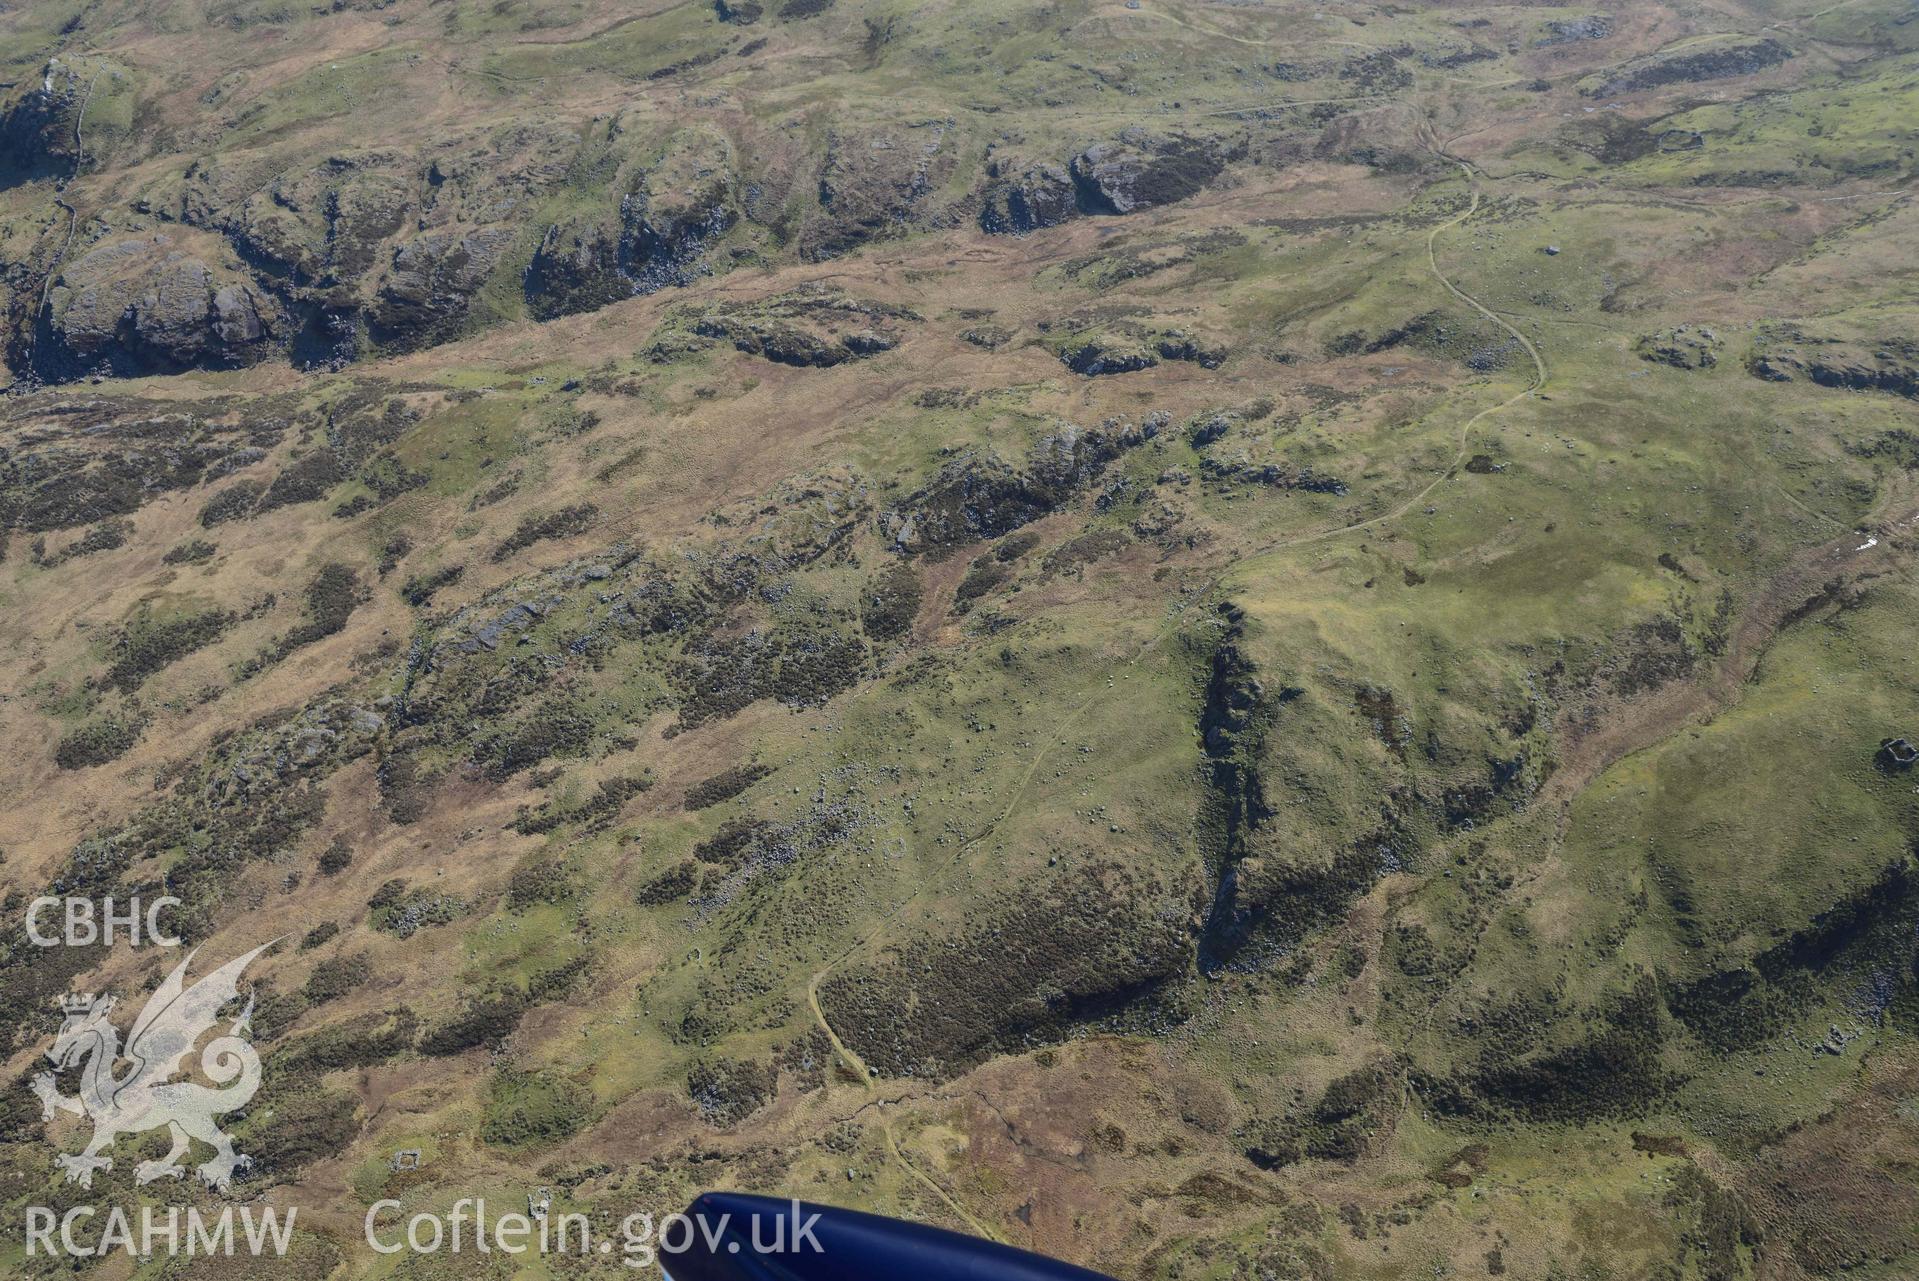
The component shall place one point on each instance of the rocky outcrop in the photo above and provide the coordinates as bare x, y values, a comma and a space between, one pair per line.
1106, 354
1020, 200
1139, 171
877, 183
1682, 347
1243, 471
979, 496
807, 327
660, 236
1890, 365
1715, 62
1127, 347
1575, 30
38, 138
430, 289
324, 227
145, 305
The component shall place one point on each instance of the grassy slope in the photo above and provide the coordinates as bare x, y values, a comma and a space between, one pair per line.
982, 764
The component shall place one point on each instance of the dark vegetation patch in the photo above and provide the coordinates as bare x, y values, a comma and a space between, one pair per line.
1011, 549
728, 1090
1472, 340
104, 537
306, 479
335, 976
1263, 902
979, 497
564, 523
1718, 1226
1651, 654
730, 846
320, 935
724, 786
891, 603
405, 788
1612, 1065
336, 858
544, 880
195, 551
675, 883
1340, 1126
802, 666
97, 742
420, 589
983, 576
1378, 72
556, 727
361, 1041
110, 458
1715, 62
594, 814
147, 644
330, 600
299, 1126
485, 1020
403, 912
1080, 948
1608, 137
235, 502
1866, 945
1076, 553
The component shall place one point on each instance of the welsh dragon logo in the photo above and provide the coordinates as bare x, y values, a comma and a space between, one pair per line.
143, 1098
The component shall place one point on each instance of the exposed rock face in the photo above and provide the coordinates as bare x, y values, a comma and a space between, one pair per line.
875, 184
1573, 30
977, 497
1177, 344
1106, 355
430, 289
809, 327
1716, 62
1126, 348
144, 305
325, 226
1027, 199
1140, 172
1890, 365
1242, 471
1683, 347
660, 236
37, 136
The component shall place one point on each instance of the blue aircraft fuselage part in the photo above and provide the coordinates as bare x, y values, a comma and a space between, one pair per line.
737, 1237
